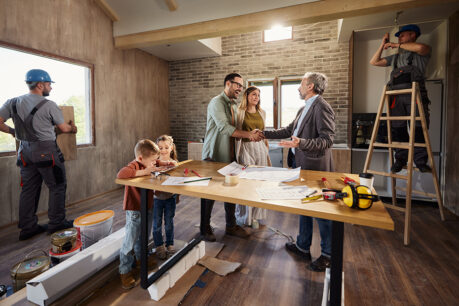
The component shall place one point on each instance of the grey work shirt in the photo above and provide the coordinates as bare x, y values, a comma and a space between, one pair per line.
44, 119
217, 142
419, 61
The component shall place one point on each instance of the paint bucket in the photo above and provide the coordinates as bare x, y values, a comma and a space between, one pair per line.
60, 257
64, 241
94, 226
28, 268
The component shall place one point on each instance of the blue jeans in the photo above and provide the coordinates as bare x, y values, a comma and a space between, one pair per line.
132, 239
304, 238
164, 208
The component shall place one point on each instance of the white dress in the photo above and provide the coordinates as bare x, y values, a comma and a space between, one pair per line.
250, 153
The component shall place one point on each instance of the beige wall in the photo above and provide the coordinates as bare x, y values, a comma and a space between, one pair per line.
131, 92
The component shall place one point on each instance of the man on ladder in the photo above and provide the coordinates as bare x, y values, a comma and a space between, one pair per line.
409, 66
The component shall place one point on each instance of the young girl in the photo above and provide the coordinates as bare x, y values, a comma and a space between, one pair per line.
164, 203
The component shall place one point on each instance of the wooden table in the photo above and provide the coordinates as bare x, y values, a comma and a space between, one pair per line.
245, 193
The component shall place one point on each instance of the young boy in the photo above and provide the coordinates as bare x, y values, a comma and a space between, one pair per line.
146, 156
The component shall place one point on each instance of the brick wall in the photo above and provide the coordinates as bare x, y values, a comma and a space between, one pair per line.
192, 83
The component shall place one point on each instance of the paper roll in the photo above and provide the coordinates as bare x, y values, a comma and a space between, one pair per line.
231, 179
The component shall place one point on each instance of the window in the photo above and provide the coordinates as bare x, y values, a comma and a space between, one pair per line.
277, 33
290, 100
266, 99
284, 90
72, 87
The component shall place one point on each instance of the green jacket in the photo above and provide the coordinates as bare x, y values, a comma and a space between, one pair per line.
217, 142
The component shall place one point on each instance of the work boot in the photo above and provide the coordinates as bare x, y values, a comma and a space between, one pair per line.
24, 235
424, 168
64, 225
128, 281
397, 166
320, 264
237, 231
208, 235
291, 247
170, 250
161, 252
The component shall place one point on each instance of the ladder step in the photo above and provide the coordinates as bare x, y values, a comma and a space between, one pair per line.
399, 92
399, 118
416, 169
399, 176
391, 206
427, 194
399, 145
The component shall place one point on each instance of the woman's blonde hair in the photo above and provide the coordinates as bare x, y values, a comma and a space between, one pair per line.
245, 97
171, 141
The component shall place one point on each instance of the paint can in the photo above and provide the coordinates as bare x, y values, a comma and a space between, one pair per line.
28, 268
57, 258
94, 226
64, 241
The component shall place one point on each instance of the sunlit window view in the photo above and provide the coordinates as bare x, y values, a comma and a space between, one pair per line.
290, 101
277, 33
72, 88
266, 100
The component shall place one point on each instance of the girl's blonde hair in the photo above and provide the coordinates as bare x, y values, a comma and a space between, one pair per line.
244, 101
171, 141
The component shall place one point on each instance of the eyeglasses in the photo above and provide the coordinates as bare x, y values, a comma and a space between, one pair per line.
239, 85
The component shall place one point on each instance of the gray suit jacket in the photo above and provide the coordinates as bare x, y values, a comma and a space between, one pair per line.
316, 134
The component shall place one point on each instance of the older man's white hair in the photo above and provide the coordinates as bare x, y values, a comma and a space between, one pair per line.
319, 80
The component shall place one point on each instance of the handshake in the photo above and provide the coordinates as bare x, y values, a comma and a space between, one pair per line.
256, 135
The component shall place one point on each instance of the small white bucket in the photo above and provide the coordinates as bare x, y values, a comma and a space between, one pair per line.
94, 226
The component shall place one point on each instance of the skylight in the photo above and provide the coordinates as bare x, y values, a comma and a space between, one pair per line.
277, 33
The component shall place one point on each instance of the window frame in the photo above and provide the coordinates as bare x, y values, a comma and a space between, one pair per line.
280, 80
69, 60
250, 82
277, 94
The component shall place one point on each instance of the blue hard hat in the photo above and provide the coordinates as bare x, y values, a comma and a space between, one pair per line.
38, 75
409, 27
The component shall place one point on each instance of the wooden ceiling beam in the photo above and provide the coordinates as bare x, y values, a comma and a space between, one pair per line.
323, 10
107, 10
171, 4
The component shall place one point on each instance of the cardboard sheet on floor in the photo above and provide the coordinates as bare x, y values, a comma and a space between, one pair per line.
219, 266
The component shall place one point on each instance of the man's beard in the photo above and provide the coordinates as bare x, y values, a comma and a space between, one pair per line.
45, 93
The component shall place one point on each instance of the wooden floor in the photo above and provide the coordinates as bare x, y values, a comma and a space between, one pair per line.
378, 269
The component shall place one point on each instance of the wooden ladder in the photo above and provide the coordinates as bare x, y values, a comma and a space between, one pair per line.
415, 96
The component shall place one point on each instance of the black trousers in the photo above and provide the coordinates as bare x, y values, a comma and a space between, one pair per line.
33, 173
401, 106
206, 212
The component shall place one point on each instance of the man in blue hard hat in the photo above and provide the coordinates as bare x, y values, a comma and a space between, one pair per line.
39, 156
409, 66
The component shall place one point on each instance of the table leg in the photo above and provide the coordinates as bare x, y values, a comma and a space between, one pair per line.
143, 238
336, 263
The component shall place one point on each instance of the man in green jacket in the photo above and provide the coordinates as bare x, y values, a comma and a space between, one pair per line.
219, 147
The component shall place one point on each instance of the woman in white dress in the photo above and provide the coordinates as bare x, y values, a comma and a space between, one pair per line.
249, 117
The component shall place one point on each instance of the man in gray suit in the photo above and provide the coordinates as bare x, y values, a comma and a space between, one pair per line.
312, 133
